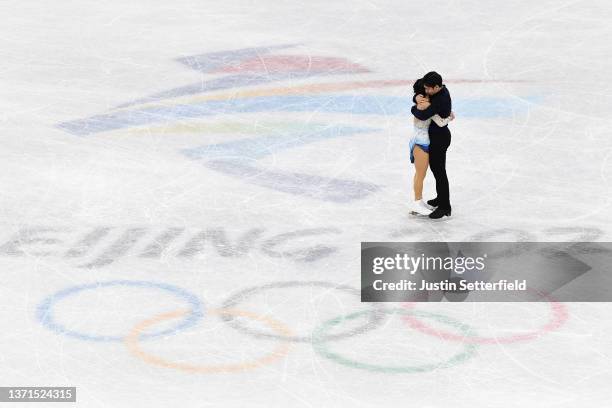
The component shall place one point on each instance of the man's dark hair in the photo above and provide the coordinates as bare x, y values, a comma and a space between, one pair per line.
418, 87
432, 79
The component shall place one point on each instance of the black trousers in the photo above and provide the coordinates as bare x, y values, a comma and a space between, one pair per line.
438, 144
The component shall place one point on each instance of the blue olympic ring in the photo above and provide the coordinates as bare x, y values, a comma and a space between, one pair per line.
45, 309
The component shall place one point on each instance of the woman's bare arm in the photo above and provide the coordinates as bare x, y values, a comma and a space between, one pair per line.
442, 122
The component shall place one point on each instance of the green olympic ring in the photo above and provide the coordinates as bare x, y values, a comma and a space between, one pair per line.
320, 345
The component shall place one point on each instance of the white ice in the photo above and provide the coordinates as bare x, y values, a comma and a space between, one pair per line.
531, 159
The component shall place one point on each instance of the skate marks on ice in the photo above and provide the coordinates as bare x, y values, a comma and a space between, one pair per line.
321, 336
239, 159
374, 319
263, 65
103, 245
46, 316
99, 246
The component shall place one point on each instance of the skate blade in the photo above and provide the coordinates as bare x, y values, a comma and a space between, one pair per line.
416, 214
442, 219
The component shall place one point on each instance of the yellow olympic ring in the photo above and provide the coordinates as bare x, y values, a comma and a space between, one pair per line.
133, 344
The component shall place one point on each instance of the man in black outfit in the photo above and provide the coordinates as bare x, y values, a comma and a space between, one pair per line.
439, 140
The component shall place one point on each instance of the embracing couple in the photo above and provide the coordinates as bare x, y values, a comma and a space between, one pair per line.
432, 113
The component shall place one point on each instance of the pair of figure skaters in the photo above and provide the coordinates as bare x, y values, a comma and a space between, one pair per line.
430, 141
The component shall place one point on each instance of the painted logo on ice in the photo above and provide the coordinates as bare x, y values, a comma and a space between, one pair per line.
177, 111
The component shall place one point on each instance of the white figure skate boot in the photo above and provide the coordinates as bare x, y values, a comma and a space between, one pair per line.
418, 208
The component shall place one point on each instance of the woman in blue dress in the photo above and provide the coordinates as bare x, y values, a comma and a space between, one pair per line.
419, 148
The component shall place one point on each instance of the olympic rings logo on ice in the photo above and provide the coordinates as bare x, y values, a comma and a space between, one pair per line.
46, 317
133, 345
558, 317
319, 338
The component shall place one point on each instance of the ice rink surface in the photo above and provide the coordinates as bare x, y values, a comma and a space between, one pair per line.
185, 186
